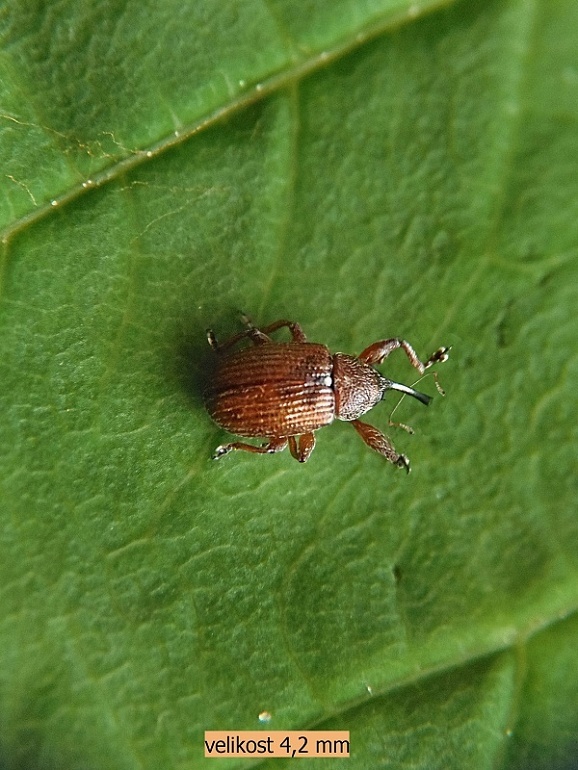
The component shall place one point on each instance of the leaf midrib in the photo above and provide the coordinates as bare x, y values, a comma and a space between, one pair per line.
275, 83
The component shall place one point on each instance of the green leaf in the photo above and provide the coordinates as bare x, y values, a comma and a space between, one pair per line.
369, 169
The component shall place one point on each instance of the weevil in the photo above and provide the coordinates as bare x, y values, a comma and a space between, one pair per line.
285, 391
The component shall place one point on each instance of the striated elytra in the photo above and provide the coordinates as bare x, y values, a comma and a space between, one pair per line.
285, 391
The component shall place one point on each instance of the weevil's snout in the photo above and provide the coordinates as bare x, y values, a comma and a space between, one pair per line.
390, 385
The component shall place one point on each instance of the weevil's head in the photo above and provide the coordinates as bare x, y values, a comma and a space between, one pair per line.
359, 387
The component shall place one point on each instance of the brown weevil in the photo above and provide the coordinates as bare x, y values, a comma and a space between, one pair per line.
284, 391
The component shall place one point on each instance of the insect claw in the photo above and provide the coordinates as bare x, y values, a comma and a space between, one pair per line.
403, 462
440, 355
246, 320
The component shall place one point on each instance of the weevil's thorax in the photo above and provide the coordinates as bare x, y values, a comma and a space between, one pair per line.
358, 387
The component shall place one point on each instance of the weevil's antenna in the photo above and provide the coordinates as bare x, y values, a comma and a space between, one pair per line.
439, 356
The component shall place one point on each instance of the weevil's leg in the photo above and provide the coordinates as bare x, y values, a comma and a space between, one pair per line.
297, 333
212, 340
440, 355
379, 351
252, 333
274, 445
257, 336
380, 443
302, 446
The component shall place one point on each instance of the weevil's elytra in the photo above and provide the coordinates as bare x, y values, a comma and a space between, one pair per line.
275, 387
285, 391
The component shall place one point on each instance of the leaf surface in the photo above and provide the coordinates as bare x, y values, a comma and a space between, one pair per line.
369, 169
